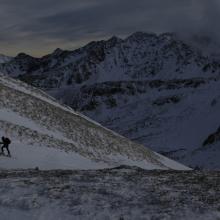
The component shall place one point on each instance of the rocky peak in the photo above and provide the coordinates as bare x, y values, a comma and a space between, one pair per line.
24, 56
57, 52
113, 41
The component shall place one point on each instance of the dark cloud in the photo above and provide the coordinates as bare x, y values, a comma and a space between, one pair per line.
38, 27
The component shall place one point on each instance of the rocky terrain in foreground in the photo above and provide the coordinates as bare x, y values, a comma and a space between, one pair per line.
119, 193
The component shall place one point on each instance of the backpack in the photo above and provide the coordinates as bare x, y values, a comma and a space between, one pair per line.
7, 141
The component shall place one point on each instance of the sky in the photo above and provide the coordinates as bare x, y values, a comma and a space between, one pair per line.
38, 27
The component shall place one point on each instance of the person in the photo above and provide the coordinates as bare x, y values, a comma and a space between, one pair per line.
5, 141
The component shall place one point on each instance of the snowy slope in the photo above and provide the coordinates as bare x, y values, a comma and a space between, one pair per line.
49, 135
157, 90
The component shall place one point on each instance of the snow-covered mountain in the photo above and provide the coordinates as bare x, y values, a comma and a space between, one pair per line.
49, 135
154, 89
4, 59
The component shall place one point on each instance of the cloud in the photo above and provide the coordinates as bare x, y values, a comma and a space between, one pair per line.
38, 27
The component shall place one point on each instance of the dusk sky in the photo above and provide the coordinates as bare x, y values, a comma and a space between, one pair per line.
39, 27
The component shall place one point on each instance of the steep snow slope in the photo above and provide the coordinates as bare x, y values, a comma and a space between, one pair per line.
154, 89
48, 135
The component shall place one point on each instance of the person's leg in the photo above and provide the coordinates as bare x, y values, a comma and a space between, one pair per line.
9, 154
3, 149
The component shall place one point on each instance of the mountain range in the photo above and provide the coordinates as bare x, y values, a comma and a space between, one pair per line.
158, 90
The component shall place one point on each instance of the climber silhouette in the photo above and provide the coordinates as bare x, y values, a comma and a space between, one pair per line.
5, 141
